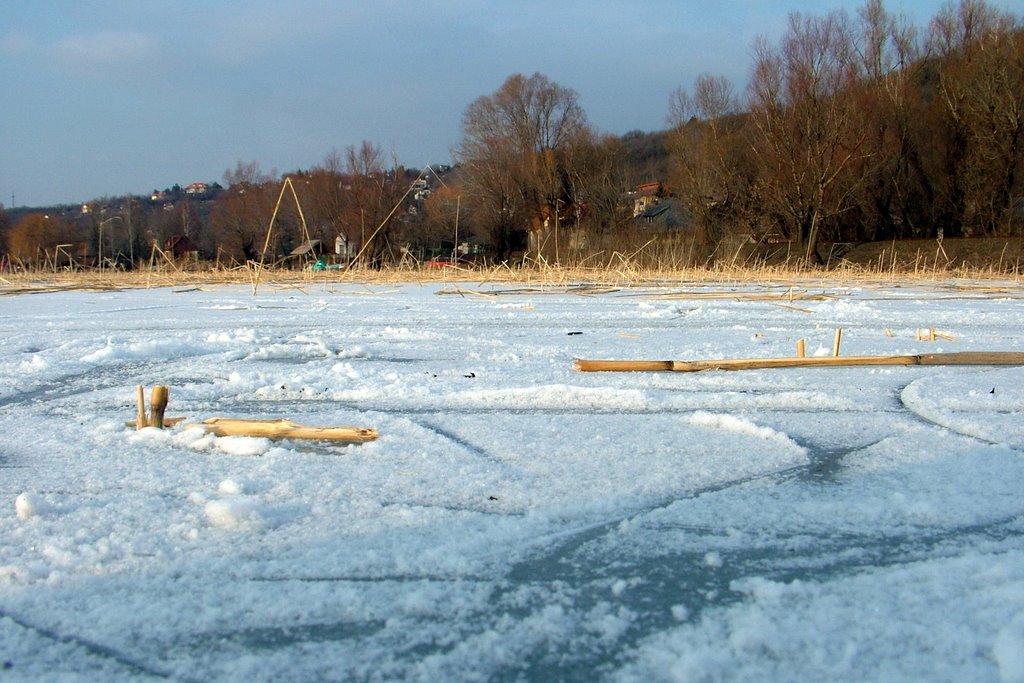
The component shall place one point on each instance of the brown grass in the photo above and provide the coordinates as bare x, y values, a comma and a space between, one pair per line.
957, 263
619, 271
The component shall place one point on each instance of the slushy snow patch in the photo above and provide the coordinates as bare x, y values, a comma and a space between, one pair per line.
1008, 651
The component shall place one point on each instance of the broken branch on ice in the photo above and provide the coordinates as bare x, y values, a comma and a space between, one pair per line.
277, 428
283, 428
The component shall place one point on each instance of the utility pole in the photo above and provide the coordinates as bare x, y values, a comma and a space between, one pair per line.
458, 204
127, 211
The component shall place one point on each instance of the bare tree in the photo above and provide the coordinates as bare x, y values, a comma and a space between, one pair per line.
980, 53
5, 227
711, 162
241, 215
324, 188
245, 174
806, 134
135, 226
513, 150
445, 218
34, 239
598, 178
896, 193
371, 194
996, 112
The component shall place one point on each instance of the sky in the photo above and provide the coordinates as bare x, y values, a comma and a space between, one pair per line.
111, 97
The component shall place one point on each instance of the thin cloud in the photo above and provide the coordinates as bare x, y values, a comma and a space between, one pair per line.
16, 44
117, 50
234, 38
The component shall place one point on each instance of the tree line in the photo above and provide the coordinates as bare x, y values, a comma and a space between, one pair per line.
863, 128
852, 128
351, 194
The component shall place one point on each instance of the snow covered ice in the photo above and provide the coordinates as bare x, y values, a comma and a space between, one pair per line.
516, 519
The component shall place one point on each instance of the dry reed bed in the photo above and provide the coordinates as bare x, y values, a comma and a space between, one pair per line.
787, 281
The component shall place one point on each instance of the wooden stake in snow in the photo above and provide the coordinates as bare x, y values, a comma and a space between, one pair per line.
140, 414
837, 341
158, 404
960, 358
801, 348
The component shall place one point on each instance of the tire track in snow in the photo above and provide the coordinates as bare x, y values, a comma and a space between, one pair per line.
95, 378
469, 446
103, 652
291, 404
280, 637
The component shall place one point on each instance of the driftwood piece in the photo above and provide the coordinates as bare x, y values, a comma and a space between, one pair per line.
280, 428
959, 358
286, 429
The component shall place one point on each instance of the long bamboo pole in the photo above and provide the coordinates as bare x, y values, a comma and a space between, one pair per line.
959, 358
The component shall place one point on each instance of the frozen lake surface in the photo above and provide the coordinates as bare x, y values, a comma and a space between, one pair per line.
516, 520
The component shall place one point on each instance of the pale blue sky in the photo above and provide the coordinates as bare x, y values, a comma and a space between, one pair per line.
108, 97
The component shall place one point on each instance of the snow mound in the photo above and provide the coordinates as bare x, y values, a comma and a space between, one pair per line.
235, 513
738, 425
28, 505
243, 445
